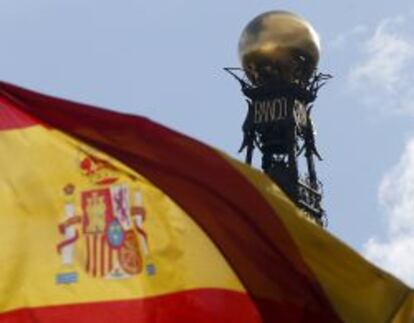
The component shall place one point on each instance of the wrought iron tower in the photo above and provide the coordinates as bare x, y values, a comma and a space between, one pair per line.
279, 53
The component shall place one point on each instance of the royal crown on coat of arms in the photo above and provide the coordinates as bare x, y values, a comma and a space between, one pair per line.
106, 221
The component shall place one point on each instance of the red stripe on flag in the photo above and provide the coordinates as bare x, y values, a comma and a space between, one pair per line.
197, 306
12, 117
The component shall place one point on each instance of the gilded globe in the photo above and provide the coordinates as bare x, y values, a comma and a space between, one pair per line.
279, 45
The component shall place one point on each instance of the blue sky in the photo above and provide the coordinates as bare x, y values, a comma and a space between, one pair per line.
164, 59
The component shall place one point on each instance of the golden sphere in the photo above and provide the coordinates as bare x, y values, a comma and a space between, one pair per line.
279, 45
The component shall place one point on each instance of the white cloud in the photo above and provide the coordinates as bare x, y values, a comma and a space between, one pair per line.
385, 74
341, 40
384, 80
396, 195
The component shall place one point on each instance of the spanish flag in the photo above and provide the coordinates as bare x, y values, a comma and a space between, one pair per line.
107, 217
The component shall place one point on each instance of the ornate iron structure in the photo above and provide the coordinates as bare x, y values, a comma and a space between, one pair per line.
279, 124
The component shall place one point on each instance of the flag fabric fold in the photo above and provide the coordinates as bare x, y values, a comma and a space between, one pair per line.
109, 216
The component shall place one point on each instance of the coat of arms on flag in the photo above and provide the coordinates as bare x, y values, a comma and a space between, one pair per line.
105, 220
